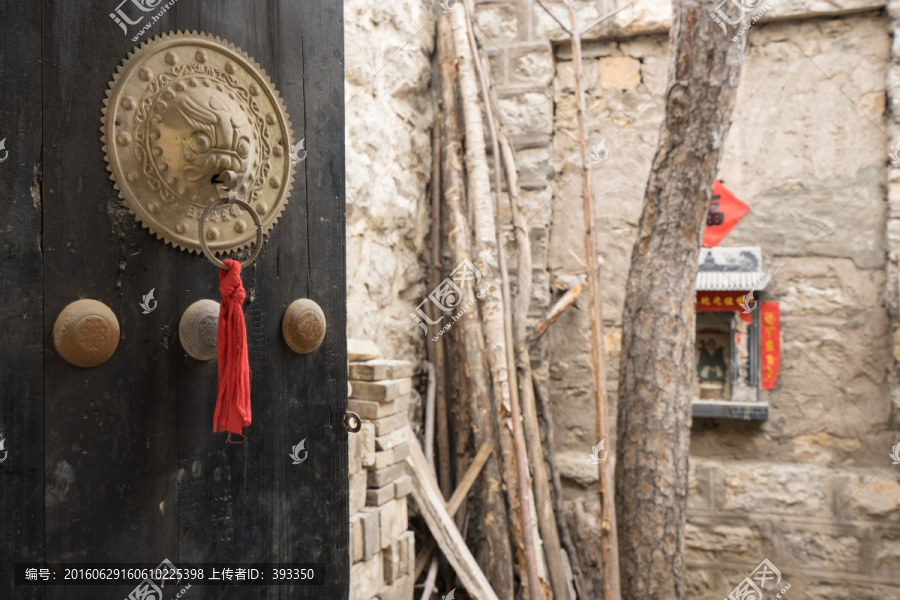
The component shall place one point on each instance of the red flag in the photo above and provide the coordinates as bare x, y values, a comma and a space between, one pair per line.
770, 343
724, 213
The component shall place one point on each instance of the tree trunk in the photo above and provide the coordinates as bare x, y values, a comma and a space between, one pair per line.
495, 520
654, 408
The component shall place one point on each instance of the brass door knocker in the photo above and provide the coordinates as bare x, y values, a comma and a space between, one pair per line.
182, 110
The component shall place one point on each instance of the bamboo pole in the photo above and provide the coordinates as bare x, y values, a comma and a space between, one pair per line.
608, 536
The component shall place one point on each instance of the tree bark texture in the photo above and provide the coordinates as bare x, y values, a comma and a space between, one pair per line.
654, 407
495, 519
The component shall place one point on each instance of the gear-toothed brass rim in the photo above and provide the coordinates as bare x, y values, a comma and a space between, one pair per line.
181, 108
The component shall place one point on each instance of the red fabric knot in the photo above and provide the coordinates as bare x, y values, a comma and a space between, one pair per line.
233, 400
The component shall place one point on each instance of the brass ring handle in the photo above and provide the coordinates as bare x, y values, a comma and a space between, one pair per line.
253, 214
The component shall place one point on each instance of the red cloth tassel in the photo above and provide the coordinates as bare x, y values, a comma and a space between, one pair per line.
233, 400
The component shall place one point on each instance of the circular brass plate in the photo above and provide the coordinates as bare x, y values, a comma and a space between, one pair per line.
198, 329
303, 326
86, 333
182, 108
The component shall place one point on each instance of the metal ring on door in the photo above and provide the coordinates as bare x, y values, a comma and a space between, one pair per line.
253, 214
352, 422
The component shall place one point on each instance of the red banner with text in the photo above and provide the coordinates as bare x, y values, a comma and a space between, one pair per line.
770, 343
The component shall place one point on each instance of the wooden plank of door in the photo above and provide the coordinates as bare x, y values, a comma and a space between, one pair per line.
21, 287
321, 36
262, 505
227, 508
110, 430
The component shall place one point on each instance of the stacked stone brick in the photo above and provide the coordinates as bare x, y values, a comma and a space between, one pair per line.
382, 550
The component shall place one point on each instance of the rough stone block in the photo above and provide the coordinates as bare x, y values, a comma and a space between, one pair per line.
354, 453
381, 391
823, 448
360, 350
887, 557
401, 524
732, 541
387, 458
391, 440
499, 22
366, 576
779, 489
391, 515
700, 484
407, 543
370, 409
828, 549
876, 499
356, 537
367, 436
401, 452
619, 73
394, 561
528, 114
382, 477
402, 589
371, 533
403, 487
379, 496
388, 424
533, 65
381, 369
357, 491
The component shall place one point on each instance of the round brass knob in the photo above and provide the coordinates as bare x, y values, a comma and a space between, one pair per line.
198, 328
86, 333
303, 326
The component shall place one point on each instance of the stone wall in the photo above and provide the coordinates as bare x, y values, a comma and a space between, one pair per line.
382, 550
812, 489
387, 49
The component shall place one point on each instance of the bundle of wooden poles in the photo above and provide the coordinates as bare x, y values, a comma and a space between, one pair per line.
482, 424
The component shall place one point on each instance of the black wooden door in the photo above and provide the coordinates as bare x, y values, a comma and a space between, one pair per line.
118, 463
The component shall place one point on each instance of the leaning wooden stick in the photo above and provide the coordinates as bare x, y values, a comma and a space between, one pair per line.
475, 374
558, 309
609, 548
491, 306
427, 496
531, 537
455, 502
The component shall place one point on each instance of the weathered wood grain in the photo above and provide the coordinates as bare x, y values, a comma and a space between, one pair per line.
21, 354
110, 430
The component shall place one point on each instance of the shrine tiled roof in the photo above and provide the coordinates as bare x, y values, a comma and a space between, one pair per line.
731, 269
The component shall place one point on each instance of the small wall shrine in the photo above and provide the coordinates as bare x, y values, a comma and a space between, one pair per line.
738, 347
